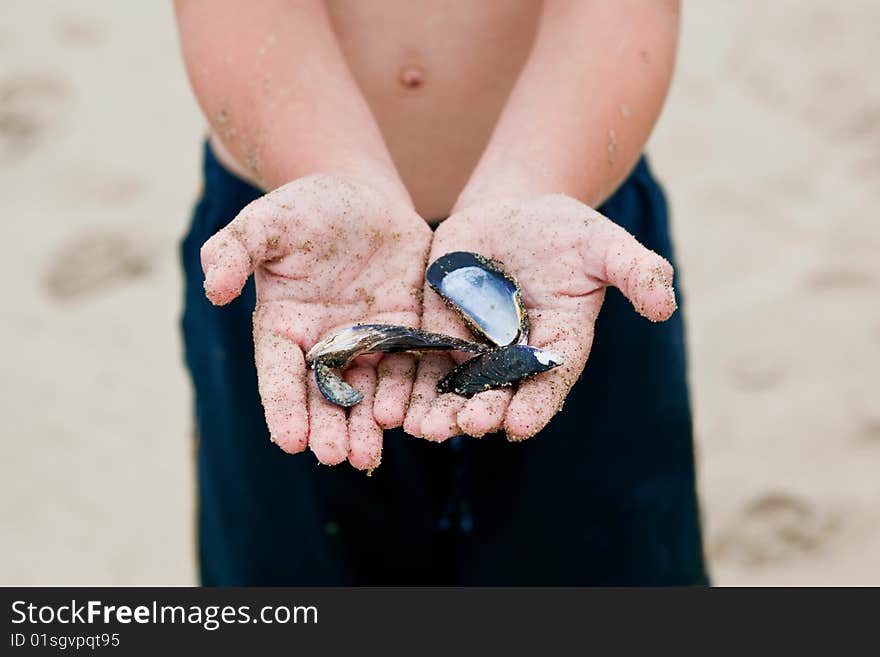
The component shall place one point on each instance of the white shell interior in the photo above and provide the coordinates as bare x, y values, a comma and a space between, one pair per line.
487, 299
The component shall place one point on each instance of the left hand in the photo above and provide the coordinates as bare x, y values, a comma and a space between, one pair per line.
563, 254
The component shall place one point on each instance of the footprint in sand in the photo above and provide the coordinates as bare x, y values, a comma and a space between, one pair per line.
775, 527
96, 260
833, 94
757, 371
28, 106
106, 186
832, 279
866, 412
869, 429
117, 190
79, 31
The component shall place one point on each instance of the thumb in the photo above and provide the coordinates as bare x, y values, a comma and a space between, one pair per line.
616, 258
231, 255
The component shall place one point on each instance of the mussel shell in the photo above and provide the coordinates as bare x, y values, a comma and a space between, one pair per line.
335, 390
339, 349
498, 368
487, 298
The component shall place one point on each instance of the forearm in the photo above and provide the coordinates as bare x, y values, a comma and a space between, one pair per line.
582, 110
275, 88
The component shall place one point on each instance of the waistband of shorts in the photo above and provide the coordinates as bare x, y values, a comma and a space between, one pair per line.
221, 184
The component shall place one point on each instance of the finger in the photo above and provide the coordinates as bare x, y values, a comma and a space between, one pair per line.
484, 413
538, 399
440, 422
364, 435
226, 265
281, 372
393, 390
328, 433
231, 255
432, 366
644, 277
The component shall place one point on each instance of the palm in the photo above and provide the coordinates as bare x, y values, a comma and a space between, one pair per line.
326, 253
564, 255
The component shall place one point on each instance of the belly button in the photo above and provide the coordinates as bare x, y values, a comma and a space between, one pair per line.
412, 77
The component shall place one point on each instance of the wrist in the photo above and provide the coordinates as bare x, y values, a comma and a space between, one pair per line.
513, 181
269, 170
521, 175
376, 172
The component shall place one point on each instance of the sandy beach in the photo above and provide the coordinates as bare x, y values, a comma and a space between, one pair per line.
769, 149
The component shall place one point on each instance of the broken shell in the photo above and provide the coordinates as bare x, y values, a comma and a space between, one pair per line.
334, 389
487, 298
338, 350
498, 368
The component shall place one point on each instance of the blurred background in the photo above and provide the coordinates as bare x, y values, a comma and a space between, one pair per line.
769, 148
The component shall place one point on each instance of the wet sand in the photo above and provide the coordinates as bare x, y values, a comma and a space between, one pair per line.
770, 151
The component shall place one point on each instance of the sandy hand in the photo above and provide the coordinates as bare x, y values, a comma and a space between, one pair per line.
563, 254
326, 253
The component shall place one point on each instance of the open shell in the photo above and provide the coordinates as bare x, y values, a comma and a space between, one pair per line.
486, 297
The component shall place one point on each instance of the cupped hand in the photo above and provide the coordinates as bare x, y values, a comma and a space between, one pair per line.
563, 254
326, 253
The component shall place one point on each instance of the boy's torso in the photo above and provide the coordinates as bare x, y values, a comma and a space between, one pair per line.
436, 76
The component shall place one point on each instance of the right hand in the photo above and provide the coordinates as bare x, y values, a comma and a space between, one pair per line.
326, 253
